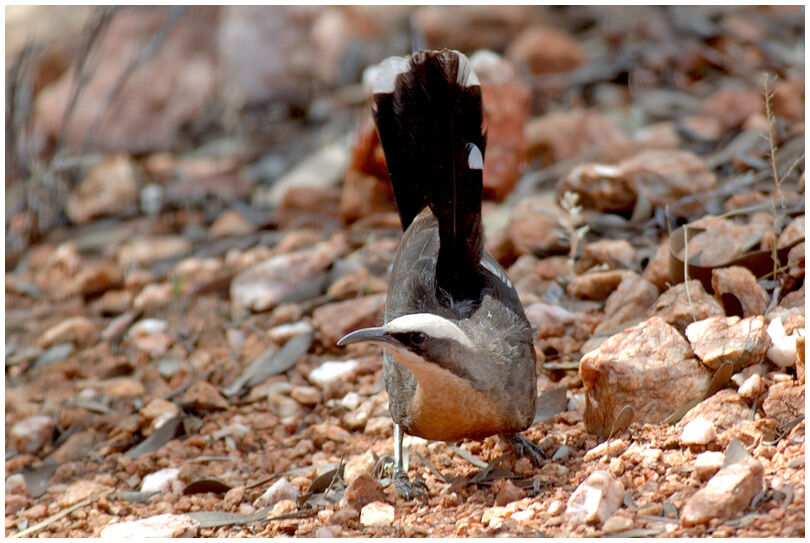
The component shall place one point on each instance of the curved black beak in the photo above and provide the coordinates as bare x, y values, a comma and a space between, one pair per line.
378, 334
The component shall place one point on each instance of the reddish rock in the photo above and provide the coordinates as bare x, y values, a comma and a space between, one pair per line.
630, 301
596, 499
535, 226
31, 434
203, 396
364, 195
304, 206
784, 402
560, 135
726, 494
231, 223
724, 410
788, 99
684, 304
546, 50
717, 340
338, 319
97, 278
614, 254
357, 283
468, 28
109, 188
657, 270
721, 241
738, 292
506, 111
596, 285
732, 106
80, 331
507, 492
363, 490
649, 367
144, 251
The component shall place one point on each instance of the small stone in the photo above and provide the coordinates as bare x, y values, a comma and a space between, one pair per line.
732, 106
38, 511
96, 279
783, 350
160, 481
323, 432
657, 270
146, 250
338, 319
615, 254
617, 523
726, 494
332, 370
15, 503
283, 333
150, 336
156, 413
717, 340
234, 497
357, 418
356, 283
507, 492
379, 426
307, 396
113, 302
534, 226
737, 290
377, 514
278, 491
328, 532
358, 465
698, 432
123, 387
724, 410
118, 327
707, 464
109, 188
54, 354
77, 330
630, 301
31, 434
231, 223
684, 304
76, 447
344, 516
596, 499
363, 490
494, 516
546, 50
596, 285
203, 396
751, 387
79, 491
163, 526
15, 484
154, 295
649, 367
784, 401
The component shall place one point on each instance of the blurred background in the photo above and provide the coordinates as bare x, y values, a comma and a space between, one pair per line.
196, 104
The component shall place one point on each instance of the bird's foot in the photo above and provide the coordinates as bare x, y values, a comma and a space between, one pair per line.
410, 489
524, 447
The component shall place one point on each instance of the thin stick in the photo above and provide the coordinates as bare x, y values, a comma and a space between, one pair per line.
768, 95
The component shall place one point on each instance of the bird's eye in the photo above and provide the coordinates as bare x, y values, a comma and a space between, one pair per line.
417, 338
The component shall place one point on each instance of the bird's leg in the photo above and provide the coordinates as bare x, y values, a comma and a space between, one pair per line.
524, 447
406, 488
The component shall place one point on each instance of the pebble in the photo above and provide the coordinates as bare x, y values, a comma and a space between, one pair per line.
278, 491
358, 465
717, 340
377, 514
77, 492
344, 516
307, 396
146, 250
160, 481
562, 454
156, 413
783, 351
726, 494
752, 387
681, 308
15, 503
204, 396
31, 434
154, 295
328, 531
15, 484
707, 464
736, 288
150, 336
77, 330
508, 492
596, 499
617, 523
363, 490
556, 507
230, 223
167, 525
698, 432
331, 371
282, 333
110, 187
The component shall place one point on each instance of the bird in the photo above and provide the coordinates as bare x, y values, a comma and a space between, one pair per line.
458, 358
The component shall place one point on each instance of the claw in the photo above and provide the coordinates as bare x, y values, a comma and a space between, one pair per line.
524, 447
410, 489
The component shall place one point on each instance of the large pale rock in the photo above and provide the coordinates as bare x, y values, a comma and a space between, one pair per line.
649, 367
726, 494
262, 286
724, 410
717, 340
110, 187
163, 526
684, 304
628, 302
738, 292
377, 514
784, 402
596, 499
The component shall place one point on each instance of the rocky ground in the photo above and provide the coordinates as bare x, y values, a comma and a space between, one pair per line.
194, 222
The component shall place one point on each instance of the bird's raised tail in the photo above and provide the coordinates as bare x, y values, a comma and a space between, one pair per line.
429, 117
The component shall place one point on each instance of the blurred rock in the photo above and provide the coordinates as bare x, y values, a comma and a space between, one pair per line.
377, 514
358, 465
738, 292
307, 207
721, 241
724, 410
332, 370
150, 336
560, 135
507, 492
783, 350
707, 464
336, 320
468, 28
278, 491
548, 320
732, 106
203, 396
661, 176
717, 340
163, 526
595, 499
698, 432
615, 253
156, 413
363, 490
78, 491
534, 226
617, 523
31, 434
794, 231
363, 196
726, 494
506, 110
307, 396
160, 481
545, 50
784, 402
596, 285
152, 296
80, 331
97, 278
144, 251
631, 300
122, 387
649, 367
231, 223
147, 111
788, 99
109, 188
334, 30
281, 334
684, 304
357, 283
262, 286
657, 270
323, 432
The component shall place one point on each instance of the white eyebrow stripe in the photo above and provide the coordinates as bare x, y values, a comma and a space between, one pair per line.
432, 325
475, 159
